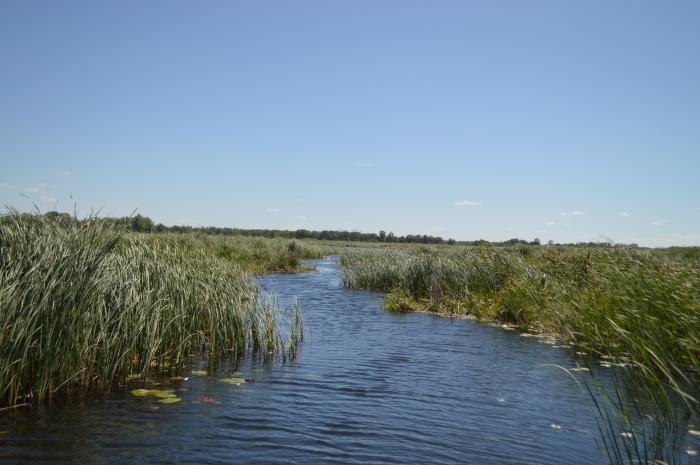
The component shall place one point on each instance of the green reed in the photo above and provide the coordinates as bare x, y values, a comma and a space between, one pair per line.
84, 305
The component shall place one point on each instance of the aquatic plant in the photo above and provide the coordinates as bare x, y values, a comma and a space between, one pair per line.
84, 305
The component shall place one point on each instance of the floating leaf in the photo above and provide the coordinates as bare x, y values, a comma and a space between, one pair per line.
169, 400
143, 392
236, 380
176, 378
555, 426
165, 394
199, 372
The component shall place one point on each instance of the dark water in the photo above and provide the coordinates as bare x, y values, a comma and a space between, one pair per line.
369, 386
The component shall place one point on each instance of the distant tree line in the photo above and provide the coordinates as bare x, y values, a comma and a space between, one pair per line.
144, 224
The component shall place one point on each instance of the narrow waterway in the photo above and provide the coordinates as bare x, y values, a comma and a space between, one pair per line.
368, 386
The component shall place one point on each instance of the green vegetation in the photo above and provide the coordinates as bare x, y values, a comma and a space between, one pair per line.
638, 309
144, 224
85, 305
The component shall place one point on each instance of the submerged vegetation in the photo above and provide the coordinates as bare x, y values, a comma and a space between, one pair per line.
85, 305
638, 310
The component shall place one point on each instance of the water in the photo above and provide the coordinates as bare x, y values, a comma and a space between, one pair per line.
369, 386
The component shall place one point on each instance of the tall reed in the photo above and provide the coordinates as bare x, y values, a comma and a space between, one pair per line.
83, 305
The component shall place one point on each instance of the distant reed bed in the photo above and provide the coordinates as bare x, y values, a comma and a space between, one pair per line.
637, 310
84, 305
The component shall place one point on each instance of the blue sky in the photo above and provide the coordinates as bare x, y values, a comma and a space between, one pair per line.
559, 120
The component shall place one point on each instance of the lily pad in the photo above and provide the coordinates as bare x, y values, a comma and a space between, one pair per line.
169, 400
165, 394
199, 372
236, 380
143, 392
176, 378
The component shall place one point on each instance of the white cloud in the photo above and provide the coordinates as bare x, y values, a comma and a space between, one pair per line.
624, 214
64, 173
550, 222
32, 189
468, 203
563, 214
4, 185
302, 217
273, 210
577, 213
543, 230
659, 222
48, 199
363, 164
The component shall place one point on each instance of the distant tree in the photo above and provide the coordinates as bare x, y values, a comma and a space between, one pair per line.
382, 236
141, 223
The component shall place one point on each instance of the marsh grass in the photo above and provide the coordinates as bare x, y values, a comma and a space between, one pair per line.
84, 305
639, 308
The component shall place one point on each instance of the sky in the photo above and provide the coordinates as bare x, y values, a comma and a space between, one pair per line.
559, 120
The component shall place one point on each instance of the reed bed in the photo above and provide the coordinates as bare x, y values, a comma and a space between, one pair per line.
84, 305
638, 310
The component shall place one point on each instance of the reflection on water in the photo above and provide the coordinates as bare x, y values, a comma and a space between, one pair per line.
368, 386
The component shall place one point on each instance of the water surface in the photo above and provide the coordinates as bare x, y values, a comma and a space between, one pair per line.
369, 386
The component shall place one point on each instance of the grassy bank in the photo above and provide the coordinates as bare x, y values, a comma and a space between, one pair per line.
84, 305
637, 309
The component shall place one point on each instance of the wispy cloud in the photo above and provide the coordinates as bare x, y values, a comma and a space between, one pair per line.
624, 214
573, 213
32, 189
551, 222
64, 173
48, 199
467, 203
659, 222
273, 210
363, 164
5, 185
302, 217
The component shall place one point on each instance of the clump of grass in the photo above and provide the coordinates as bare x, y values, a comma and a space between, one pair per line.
83, 305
